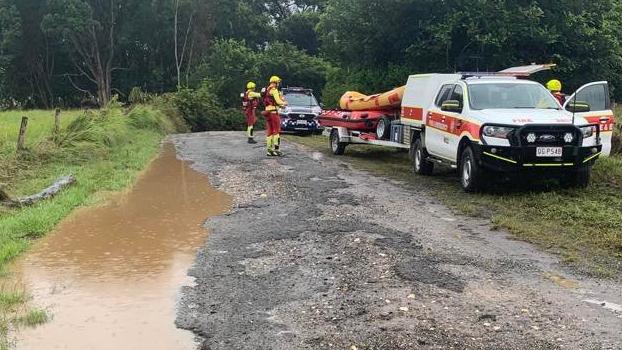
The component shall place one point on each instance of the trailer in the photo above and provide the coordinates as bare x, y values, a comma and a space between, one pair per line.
340, 137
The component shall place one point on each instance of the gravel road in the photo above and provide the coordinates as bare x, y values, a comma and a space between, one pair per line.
318, 255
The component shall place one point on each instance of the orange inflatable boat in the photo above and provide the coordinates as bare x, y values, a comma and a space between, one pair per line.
365, 113
355, 101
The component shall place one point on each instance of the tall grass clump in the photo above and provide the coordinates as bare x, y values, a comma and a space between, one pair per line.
149, 118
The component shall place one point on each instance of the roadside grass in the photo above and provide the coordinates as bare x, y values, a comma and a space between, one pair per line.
582, 226
105, 150
33, 318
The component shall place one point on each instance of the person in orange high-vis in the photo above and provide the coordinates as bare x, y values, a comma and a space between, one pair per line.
273, 101
250, 101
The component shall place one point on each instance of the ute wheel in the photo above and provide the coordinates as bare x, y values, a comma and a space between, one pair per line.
421, 164
338, 148
471, 174
383, 129
579, 178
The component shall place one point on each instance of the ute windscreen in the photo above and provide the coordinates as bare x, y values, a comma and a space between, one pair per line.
510, 96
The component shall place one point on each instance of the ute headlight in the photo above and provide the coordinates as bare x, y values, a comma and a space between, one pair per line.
500, 132
587, 131
568, 137
531, 138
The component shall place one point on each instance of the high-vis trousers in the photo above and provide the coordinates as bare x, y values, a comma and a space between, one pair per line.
273, 131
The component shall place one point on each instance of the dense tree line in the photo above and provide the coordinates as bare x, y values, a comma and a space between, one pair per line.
68, 52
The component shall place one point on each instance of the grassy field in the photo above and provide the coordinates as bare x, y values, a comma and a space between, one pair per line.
40, 124
583, 226
104, 150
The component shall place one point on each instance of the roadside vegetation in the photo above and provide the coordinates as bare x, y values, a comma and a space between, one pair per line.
104, 149
582, 226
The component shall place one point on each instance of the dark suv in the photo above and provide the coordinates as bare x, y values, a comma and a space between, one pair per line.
300, 115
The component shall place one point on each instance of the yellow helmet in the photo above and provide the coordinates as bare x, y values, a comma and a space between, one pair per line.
275, 79
251, 85
554, 85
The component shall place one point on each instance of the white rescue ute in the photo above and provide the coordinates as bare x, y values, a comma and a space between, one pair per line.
497, 123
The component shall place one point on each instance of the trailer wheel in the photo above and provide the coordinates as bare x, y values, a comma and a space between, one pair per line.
421, 164
338, 148
471, 174
383, 129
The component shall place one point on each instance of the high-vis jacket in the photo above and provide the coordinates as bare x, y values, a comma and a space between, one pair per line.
272, 99
250, 100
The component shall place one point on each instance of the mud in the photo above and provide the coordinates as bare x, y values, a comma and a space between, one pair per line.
317, 255
110, 275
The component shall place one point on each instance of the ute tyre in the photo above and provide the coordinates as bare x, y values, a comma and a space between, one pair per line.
337, 147
383, 129
471, 173
579, 178
419, 156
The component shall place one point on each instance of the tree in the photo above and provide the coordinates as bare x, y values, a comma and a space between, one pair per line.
10, 34
181, 52
299, 30
88, 29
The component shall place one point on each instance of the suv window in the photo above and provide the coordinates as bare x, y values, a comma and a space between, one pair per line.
596, 96
458, 95
444, 94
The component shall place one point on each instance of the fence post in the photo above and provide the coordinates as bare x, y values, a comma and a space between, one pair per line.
22, 134
57, 124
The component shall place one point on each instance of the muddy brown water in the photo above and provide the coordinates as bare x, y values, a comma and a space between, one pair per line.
110, 275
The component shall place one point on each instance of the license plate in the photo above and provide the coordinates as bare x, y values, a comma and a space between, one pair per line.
549, 152
302, 122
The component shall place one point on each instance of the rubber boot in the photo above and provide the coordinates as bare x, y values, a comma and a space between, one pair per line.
270, 146
277, 145
250, 133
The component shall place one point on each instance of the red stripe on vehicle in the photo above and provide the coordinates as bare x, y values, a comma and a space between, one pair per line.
453, 125
413, 113
604, 125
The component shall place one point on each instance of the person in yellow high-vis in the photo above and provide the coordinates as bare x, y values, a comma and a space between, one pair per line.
555, 87
273, 100
250, 101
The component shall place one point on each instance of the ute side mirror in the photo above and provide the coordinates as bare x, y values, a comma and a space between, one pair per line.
451, 106
578, 107
322, 105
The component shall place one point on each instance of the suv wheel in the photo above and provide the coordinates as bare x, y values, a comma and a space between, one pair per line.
421, 164
471, 174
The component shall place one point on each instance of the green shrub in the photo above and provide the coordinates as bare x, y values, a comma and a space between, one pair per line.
226, 69
202, 111
230, 64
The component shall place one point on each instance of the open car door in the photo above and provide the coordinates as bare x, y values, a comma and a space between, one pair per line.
596, 95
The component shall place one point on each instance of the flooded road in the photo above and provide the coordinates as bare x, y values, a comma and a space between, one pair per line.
110, 275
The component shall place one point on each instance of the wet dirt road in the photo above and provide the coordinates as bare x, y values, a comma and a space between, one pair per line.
317, 255
110, 275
